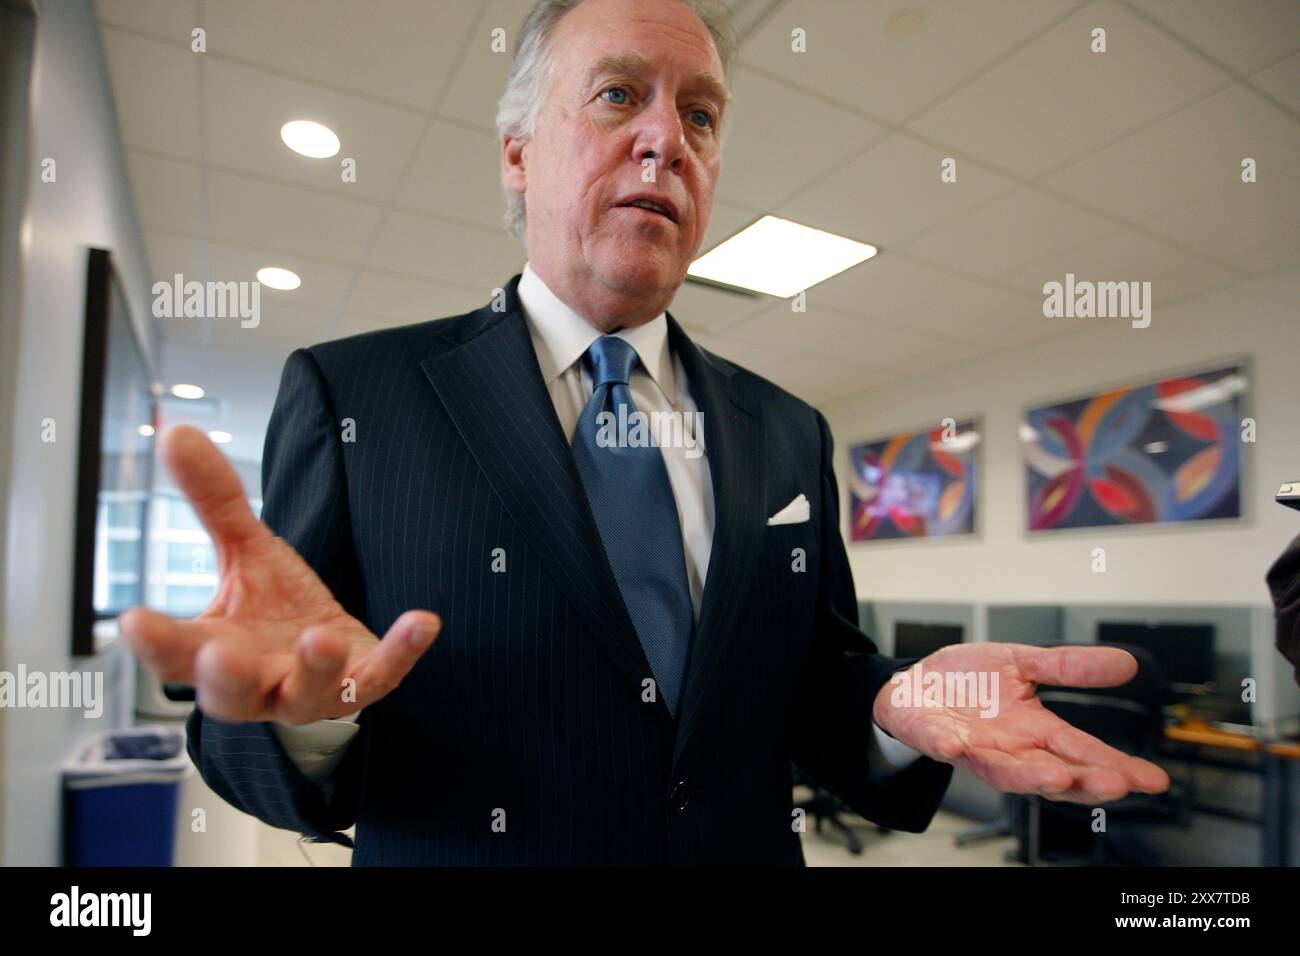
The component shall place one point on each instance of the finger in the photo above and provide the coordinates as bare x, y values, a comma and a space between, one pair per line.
1079, 747
210, 484
163, 644
1034, 771
233, 681
313, 688
937, 741
1075, 666
1093, 785
392, 659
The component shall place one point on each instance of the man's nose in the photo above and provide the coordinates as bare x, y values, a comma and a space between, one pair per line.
662, 137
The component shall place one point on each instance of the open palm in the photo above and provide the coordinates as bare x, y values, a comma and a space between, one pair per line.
274, 644
1017, 745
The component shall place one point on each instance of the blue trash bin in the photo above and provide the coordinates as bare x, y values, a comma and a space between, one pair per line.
120, 796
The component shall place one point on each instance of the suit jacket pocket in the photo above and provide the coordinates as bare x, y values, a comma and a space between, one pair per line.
780, 540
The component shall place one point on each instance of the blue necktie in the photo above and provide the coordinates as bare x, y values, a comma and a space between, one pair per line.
628, 489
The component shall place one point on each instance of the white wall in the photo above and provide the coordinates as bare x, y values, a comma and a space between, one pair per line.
73, 120
1223, 564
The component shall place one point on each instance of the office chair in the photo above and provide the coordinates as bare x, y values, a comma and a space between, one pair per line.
1129, 718
824, 807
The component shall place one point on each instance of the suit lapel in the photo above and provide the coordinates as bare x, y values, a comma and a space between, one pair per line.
489, 381
733, 441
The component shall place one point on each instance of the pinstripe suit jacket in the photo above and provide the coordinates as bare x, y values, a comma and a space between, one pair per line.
521, 737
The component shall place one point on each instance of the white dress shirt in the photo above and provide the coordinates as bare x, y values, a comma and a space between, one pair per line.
560, 338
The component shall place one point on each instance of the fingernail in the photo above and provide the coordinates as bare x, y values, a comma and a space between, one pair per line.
422, 636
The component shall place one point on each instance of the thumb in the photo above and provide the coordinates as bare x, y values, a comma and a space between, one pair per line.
1075, 666
393, 657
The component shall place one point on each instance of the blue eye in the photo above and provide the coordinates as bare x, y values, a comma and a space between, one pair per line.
613, 89
706, 114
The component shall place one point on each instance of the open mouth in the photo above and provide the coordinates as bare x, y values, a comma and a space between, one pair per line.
651, 207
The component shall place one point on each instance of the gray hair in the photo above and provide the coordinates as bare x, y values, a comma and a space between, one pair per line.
533, 71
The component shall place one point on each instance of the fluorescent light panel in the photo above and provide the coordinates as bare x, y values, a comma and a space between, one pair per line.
778, 257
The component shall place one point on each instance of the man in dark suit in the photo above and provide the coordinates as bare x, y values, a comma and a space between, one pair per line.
1283, 581
634, 638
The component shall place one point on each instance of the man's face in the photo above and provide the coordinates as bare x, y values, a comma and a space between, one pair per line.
637, 88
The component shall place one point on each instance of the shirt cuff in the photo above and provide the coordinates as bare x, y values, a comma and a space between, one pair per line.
317, 748
887, 755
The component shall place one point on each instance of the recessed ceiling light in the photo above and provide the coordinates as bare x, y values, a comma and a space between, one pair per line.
778, 257
145, 430
278, 278
187, 391
310, 139
221, 438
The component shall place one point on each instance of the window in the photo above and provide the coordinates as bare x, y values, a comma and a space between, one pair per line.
183, 563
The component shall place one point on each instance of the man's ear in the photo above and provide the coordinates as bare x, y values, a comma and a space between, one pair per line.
514, 163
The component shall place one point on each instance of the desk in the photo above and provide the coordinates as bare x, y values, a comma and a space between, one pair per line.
1277, 798
1193, 734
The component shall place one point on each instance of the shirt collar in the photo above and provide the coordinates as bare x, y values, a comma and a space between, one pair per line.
561, 336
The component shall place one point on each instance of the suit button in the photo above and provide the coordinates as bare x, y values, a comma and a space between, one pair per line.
680, 797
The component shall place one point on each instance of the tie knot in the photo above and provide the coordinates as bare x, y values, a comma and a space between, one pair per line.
611, 360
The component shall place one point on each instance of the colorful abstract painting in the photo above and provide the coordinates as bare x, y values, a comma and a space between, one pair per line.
1165, 451
919, 484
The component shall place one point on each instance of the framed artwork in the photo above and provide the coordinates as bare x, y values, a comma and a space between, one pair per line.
114, 462
918, 484
1162, 451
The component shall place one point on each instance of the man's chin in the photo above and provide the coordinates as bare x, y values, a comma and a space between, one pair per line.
641, 276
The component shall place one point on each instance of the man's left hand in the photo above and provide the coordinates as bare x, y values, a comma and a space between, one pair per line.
1013, 742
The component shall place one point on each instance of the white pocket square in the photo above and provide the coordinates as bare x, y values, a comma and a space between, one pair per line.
795, 512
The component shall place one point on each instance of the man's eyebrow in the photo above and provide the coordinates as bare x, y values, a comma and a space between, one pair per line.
634, 64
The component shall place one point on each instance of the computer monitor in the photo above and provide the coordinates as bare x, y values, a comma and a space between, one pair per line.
1185, 652
912, 639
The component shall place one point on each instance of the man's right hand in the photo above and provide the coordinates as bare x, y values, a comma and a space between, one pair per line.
274, 644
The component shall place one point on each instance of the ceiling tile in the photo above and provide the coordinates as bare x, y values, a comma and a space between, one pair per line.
887, 284
385, 298
168, 194
170, 20
1123, 256
1245, 35
768, 145
403, 51
891, 192
1265, 257
986, 317
1237, 217
456, 173
1054, 99
726, 220
1197, 150
245, 108
1282, 80
436, 249
1020, 226
794, 372
302, 221
701, 307
156, 90
849, 339
323, 285
480, 79
864, 55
